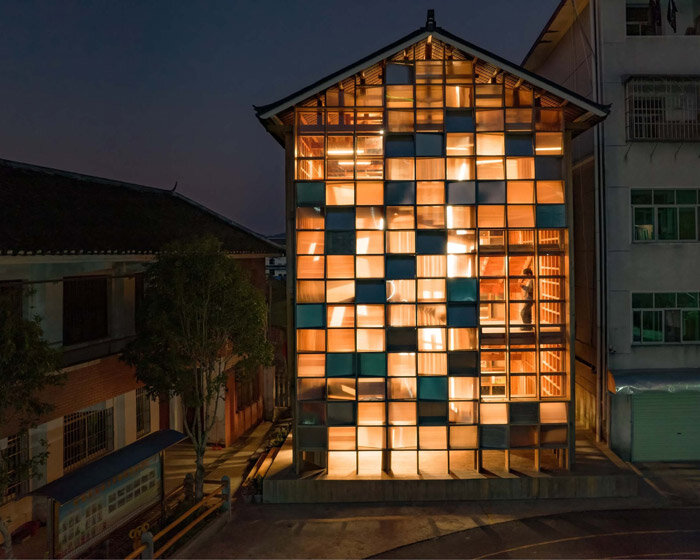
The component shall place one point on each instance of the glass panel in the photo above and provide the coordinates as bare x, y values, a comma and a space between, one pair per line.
368, 193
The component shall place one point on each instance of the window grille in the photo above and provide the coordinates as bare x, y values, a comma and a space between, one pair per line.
143, 412
13, 456
663, 109
87, 435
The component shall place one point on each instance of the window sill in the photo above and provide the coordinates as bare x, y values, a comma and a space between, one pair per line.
86, 351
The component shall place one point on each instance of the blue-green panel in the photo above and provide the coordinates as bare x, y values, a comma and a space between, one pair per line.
399, 145
398, 193
431, 242
432, 388
311, 193
340, 243
340, 219
519, 145
340, 365
461, 315
370, 291
371, 364
459, 120
400, 266
311, 316
551, 215
429, 145
493, 437
461, 289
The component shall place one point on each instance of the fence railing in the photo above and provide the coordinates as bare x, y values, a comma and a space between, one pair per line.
145, 542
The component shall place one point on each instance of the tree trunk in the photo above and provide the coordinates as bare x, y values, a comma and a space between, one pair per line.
7, 538
199, 473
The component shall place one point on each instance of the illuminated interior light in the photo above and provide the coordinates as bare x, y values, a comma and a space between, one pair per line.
481, 161
463, 175
556, 149
340, 152
317, 258
381, 131
345, 162
312, 248
461, 232
364, 163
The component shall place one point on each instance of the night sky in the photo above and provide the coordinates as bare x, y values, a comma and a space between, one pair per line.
158, 92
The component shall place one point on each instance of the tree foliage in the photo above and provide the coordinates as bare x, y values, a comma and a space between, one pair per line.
28, 365
200, 316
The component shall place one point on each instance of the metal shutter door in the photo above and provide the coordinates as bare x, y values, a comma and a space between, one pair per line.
666, 427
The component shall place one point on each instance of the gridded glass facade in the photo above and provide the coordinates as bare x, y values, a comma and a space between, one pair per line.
431, 269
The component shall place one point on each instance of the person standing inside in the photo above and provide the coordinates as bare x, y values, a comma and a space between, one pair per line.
527, 285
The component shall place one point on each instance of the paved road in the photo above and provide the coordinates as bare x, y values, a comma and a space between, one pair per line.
646, 533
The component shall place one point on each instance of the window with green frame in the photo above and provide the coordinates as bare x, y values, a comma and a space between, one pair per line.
664, 214
665, 318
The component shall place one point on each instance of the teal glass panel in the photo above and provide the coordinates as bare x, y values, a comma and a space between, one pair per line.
398, 267
399, 145
371, 364
642, 196
459, 120
340, 365
398, 193
311, 194
642, 301
340, 243
370, 291
668, 223
551, 216
339, 219
461, 289
429, 145
311, 316
691, 325
652, 327
493, 437
519, 145
432, 388
431, 242
461, 315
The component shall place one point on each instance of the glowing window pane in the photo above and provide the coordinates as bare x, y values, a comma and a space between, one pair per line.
432, 363
489, 119
432, 315
491, 216
463, 388
458, 96
342, 463
549, 143
429, 96
494, 413
429, 119
309, 217
520, 168
401, 437
492, 265
341, 438
311, 291
431, 266
370, 340
369, 217
400, 121
340, 316
458, 71
311, 340
370, 145
463, 437
369, 463
463, 412
431, 340
369, 242
310, 267
340, 146
369, 193
431, 290
340, 193
521, 216
311, 365
341, 340
340, 266
430, 192
460, 169
402, 315
370, 267
400, 169
310, 242
341, 390
461, 241
370, 315
309, 146
461, 216
400, 241
492, 144
400, 291
370, 414
461, 266
553, 413
432, 437
523, 386
490, 168
462, 339
369, 96
521, 192
340, 291
401, 364
430, 169
550, 192
371, 389
492, 289
399, 96
402, 388
430, 217
371, 438
400, 217
310, 169
459, 144
402, 413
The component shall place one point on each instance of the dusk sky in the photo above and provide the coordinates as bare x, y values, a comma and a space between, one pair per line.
158, 92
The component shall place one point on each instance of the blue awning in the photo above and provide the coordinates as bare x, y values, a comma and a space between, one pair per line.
80, 481
633, 381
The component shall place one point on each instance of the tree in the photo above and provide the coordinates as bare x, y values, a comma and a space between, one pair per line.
200, 316
28, 365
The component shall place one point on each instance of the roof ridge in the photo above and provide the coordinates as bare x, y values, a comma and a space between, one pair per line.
81, 176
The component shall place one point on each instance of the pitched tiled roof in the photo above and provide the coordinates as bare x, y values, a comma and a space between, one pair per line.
48, 211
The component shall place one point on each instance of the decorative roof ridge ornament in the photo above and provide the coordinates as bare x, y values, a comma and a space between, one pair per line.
430, 21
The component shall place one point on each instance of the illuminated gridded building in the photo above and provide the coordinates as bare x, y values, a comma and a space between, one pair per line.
429, 254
